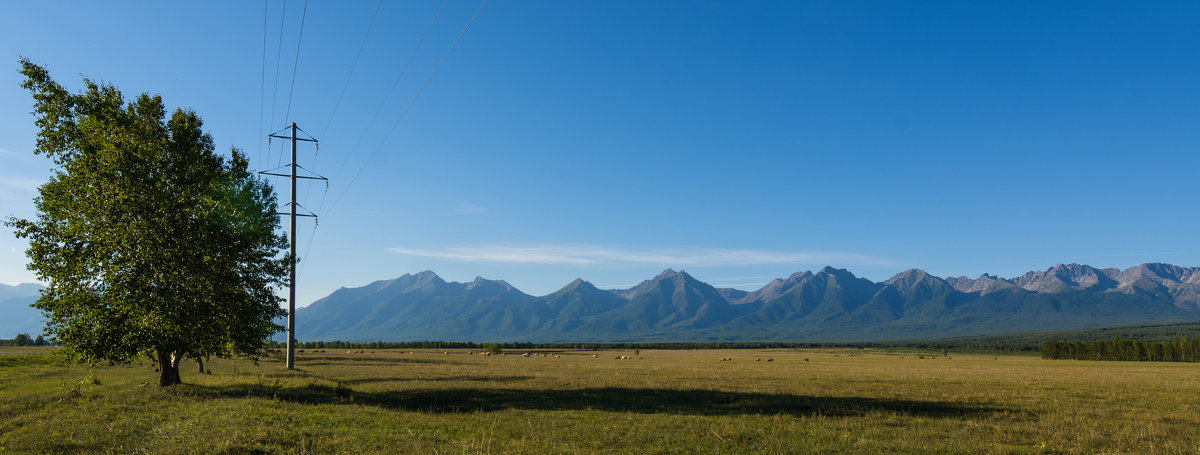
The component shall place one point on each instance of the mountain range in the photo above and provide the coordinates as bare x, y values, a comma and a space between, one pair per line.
16, 316
829, 305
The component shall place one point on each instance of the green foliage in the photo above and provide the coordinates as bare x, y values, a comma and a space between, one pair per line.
1143, 332
493, 348
1124, 349
151, 243
22, 339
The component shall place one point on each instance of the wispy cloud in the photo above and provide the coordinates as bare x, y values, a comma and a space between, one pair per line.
19, 183
753, 285
591, 255
12, 155
467, 208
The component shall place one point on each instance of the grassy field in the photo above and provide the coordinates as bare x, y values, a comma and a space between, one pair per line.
803, 401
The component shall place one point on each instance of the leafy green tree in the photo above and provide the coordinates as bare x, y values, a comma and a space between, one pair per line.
493, 348
39, 341
151, 243
22, 339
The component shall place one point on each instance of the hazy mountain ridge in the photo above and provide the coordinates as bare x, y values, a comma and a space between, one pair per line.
1181, 283
16, 316
830, 305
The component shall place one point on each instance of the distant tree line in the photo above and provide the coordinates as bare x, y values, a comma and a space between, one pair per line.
958, 347
1181, 349
23, 339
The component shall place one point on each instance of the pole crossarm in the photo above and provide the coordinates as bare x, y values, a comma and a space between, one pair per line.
292, 128
294, 207
289, 175
290, 138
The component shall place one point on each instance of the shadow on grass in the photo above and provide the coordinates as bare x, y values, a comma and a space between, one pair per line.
481, 378
611, 399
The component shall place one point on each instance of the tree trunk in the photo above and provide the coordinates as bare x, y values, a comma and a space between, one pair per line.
200, 362
168, 369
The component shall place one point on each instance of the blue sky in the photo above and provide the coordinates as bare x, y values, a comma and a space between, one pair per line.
610, 140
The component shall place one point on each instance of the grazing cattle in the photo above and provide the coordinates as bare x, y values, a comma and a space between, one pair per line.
758, 360
556, 356
770, 360
411, 353
300, 351
445, 353
805, 360
639, 358
595, 355
525, 354
468, 352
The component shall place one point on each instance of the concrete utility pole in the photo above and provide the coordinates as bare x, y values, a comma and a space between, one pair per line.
292, 206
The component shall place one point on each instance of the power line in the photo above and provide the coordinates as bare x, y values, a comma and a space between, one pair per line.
353, 66
409, 107
341, 95
275, 86
296, 65
391, 90
410, 104
262, 87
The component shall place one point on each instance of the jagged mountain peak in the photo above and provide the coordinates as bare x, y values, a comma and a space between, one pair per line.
492, 285
646, 286
831, 271
909, 277
576, 285
1162, 271
426, 280
777, 287
425, 275
1064, 277
984, 284
917, 284
798, 276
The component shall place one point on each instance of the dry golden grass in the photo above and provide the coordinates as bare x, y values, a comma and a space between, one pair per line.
836, 401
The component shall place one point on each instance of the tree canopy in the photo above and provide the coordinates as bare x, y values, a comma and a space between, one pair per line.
152, 244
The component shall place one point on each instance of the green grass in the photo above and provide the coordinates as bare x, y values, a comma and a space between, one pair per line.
838, 401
